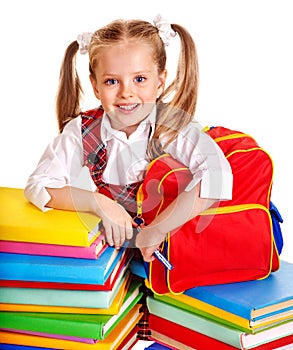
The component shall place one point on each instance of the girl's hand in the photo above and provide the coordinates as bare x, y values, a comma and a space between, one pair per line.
147, 253
116, 221
147, 240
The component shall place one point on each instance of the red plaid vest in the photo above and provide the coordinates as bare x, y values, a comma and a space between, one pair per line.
95, 158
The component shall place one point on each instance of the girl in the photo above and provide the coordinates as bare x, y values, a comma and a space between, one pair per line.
127, 64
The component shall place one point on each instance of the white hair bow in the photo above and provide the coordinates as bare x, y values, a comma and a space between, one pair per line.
165, 30
84, 40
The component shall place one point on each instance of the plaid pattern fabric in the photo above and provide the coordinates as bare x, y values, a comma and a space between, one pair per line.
95, 158
144, 332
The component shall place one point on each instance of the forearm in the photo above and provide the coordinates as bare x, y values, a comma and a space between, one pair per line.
184, 208
74, 199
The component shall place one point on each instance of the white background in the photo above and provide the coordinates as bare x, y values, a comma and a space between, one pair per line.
246, 74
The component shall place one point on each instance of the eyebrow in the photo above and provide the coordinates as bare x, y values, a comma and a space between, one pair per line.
134, 73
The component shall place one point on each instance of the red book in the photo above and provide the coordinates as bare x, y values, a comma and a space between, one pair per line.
130, 340
200, 341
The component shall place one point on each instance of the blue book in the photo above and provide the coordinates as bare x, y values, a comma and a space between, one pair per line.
24, 267
157, 346
20, 347
252, 300
137, 267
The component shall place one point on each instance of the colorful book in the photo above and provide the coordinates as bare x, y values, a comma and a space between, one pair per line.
184, 335
221, 332
65, 251
198, 307
137, 267
75, 325
25, 267
130, 340
21, 221
187, 337
108, 285
20, 347
252, 300
168, 341
111, 342
113, 309
157, 346
60, 297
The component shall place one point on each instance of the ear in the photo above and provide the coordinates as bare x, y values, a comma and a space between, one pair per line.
162, 81
95, 88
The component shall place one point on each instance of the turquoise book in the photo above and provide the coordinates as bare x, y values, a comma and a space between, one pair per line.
252, 300
63, 297
24, 267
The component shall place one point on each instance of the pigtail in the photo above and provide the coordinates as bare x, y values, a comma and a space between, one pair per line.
69, 90
185, 84
179, 111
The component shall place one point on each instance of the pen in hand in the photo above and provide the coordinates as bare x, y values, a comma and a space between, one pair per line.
157, 253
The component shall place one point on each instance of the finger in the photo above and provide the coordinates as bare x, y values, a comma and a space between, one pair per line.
108, 234
129, 232
133, 223
118, 236
148, 258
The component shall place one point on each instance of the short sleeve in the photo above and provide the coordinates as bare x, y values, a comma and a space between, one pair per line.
206, 161
59, 166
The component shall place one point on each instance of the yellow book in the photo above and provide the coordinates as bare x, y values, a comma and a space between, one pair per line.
23, 222
111, 342
112, 310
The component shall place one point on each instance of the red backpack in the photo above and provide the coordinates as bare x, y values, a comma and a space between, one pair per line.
229, 243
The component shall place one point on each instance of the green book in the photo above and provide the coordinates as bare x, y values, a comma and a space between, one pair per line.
76, 325
196, 311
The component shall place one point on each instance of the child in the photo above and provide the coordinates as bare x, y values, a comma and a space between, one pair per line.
127, 63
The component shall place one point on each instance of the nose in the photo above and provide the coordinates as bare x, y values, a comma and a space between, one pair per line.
126, 90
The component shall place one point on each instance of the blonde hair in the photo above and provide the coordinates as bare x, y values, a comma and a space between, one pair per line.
183, 89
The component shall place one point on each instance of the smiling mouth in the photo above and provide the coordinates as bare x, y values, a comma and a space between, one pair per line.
129, 107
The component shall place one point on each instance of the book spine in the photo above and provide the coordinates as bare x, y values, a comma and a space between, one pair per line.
54, 297
51, 325
209, 312
54, 269
91, 252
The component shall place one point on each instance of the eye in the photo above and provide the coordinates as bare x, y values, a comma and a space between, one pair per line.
111, 81
140, 79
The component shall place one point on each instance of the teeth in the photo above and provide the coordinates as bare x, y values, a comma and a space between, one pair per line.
128, 107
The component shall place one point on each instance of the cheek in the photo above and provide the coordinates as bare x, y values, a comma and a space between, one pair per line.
106, 96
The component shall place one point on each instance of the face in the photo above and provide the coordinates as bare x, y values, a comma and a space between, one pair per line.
127, 83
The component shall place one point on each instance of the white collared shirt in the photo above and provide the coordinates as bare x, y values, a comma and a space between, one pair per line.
62, 162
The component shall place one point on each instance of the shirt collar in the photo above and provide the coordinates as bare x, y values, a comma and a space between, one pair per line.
108, 133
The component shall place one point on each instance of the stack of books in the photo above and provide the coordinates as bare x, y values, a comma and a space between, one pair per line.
61, 285
246, 315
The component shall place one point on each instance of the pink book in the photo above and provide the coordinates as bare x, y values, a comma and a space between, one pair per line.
91, 252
